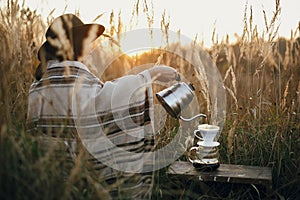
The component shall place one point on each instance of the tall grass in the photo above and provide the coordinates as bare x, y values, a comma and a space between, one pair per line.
261, 75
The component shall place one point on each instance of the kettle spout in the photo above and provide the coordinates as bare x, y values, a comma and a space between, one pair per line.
192, 118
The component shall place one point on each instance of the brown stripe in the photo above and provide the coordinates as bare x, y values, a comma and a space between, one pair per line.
60, 70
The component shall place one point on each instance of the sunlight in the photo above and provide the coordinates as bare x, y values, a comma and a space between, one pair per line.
191, 17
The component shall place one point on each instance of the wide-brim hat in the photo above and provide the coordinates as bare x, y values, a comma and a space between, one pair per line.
67, 38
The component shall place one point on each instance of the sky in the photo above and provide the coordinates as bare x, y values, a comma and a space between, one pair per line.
190, 16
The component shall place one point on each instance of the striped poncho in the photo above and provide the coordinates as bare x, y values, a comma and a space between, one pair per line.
113, 121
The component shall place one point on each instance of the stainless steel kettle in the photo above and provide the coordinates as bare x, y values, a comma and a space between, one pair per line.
176, 98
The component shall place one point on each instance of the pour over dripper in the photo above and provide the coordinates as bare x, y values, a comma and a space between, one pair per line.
176, 98
207, 134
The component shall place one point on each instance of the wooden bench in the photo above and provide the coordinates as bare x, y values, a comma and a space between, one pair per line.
225, 173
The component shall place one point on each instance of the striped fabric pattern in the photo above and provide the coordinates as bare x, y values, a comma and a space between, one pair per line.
113, 120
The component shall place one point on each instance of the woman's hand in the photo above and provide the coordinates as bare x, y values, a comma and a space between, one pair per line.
164, 73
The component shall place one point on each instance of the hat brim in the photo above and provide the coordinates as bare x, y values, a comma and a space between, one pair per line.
88, 31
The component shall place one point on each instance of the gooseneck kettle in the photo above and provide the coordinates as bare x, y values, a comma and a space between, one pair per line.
176, 98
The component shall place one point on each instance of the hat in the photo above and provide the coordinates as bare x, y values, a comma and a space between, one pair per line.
67, 38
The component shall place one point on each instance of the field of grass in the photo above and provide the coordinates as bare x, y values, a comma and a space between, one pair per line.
261, 74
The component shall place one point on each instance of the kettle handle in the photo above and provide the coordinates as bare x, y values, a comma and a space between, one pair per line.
192, 118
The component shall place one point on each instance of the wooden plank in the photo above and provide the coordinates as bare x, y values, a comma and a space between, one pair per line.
225, 173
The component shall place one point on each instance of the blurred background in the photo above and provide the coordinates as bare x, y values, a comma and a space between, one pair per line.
255, 46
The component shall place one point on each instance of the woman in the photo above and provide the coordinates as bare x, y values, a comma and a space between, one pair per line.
113, 120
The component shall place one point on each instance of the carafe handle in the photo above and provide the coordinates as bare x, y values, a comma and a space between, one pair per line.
189, 154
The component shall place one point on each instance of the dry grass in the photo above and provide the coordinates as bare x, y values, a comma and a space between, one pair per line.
261, 75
